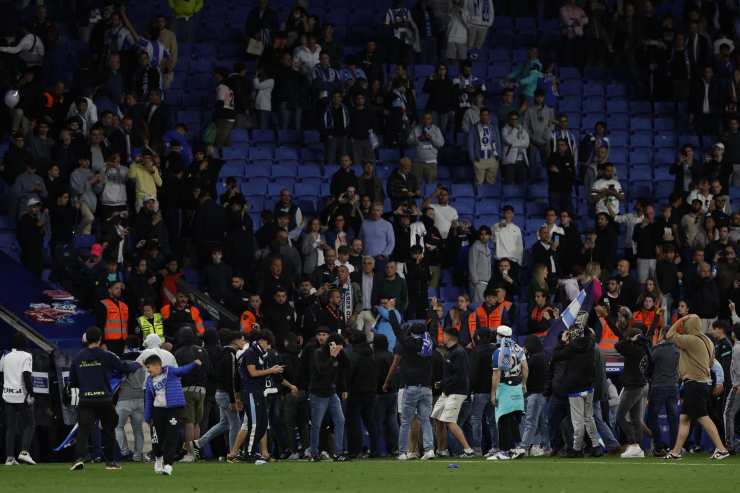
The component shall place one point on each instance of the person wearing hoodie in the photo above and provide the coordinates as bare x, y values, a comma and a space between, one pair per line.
386, 401
228, 396
663, 393
535, 438
389, 319
152, 344
131, 404
164, 399
479, 265
696, 357
482, 412
362, 387
194, 386
634, 347
577, 352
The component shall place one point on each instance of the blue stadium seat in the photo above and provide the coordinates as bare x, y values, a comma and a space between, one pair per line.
390, 155
462, 190
665, 140
232, 168
642, 139
569, 104
616, 106
618, 122
310, 189
537, 190
487, 190
255, 186
286, 154
307, 205
640, 108
308, 172
311, 137
487, 206
513, 191
665, 156
567, 73
233, 153
260, 154
288, 137
663, 189
640, 173
273, 189
662, 173
256, 202
592, 89
259, 169
640, 156
664, 124
571, 88
464, 205
487, 220
282, 171
617, 154
239, 135
312, 154
640, 123
535, 208
618, 137
449, 293
263, 136
589, 121
616, 90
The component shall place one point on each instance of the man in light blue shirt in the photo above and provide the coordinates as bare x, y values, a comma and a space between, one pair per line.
378, 237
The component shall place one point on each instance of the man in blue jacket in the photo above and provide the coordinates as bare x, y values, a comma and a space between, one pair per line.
164, 400
90, 390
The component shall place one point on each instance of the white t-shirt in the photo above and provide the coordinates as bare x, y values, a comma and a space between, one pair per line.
443, 217
607, 203
12, 366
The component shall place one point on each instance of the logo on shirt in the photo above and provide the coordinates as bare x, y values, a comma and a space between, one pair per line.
173, 421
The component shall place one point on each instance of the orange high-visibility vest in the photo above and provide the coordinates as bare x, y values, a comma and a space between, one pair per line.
491, 320
536, 315
116, 320
648, 320
200, 327
608, 338
247, 321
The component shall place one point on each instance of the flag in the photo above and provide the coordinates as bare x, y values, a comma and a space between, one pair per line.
584, 302
71, 437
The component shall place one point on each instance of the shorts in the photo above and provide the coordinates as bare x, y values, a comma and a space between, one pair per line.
447, 407
193, 410
695, 399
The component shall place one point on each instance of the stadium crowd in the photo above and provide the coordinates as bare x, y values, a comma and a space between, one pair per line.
342, 331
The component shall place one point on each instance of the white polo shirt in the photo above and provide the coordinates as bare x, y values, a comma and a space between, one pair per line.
443, 217
12, 366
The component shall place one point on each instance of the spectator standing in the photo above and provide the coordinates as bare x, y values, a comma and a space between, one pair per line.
16, 369
507, 238
663, 393
483, 148
539, 121
428, 139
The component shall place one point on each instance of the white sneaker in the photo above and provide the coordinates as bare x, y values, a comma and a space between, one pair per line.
188, 459
325, 456
428, 455
443, 453
536, 451
413, 455
10, 461
159, 465
26, 458
633, 452
498, 456
517, 452
167, 470
294, 456
404, 456
491, 452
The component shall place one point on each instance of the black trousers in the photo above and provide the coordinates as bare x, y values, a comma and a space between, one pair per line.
361, 411
18, 421
255, 420
88, 414
164, 433
508, 430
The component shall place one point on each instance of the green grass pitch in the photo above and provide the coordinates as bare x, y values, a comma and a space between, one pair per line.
693, 474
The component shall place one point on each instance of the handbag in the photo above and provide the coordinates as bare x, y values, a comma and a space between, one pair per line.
255, 47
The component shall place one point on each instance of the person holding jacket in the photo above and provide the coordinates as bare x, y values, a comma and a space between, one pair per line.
91, 392
163, 399
634, 347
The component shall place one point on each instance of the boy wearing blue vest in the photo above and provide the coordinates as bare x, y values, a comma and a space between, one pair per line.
163, 399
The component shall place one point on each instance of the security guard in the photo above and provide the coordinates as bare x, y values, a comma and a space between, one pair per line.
112, 315
179, 314
150, 322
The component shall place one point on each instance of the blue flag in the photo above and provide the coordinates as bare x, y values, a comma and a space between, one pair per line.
584, 302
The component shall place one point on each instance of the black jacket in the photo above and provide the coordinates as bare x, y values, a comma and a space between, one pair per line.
328, 374
456, 371
537, 364
363, 374
480, 368
636, 361
704, 300
187, 351
442, 95
579, 369
227, 373
90, 373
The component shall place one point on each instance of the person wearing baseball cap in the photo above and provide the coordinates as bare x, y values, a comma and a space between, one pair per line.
510, 372
30, 233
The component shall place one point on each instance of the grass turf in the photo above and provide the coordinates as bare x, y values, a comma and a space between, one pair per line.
692, 474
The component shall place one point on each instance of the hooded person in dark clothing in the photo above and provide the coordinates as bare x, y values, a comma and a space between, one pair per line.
386, 402
280, 318
194, 384
482, 412
361, 386
534, 430
634, 346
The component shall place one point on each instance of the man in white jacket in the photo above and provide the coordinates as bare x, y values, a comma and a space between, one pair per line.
480, 19
507, 238
515, 140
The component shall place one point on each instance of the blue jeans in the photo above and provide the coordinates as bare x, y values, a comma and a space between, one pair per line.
319, 407
660, 398
605, 431
417, 401
386, 419
534, 428
483, 410
228, 421
134, 409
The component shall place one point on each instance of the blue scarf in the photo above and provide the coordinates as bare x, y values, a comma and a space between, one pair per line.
506, 356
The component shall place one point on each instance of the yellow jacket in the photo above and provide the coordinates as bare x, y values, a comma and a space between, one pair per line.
146, 182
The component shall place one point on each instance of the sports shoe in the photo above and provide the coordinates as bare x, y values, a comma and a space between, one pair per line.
695, 449
26, 458
294, 456
342, 458
660, 452
491, 452
233, 459
77, 466
259, 462
187, 459
196, 450
428, 455
633, 452
325, 455
573, 454
536, 451
499, 456
10, 461
413, 455
167, 470
597, 452
468, 454
717, 455
671, 456
112, 466
516, 453
404, 456
443, 453
158, 465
